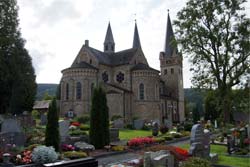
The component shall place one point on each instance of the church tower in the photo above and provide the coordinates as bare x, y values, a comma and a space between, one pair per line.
171, 72
136, 41
109, 44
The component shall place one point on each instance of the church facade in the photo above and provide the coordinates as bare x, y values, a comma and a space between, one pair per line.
134, 89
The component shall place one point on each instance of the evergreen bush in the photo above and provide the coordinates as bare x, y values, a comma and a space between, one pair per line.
99, 119
52, 129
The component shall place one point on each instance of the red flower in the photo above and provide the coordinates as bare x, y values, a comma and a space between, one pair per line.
75, 123
140, 141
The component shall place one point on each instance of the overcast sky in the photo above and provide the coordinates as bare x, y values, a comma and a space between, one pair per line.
55, 30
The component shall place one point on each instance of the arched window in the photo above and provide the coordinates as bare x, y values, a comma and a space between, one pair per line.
141, 91
156, 92
78, 90
67, 91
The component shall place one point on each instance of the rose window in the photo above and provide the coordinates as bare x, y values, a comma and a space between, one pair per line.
120, 77
105, 77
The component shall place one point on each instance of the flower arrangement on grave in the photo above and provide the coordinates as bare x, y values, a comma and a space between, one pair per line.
75, 124
67, 147
139, 141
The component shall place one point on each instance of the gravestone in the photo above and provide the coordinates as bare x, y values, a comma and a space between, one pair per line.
64, 130
17, 138
10, 125
114, 134
206, 143
43, 119
160, 158
197, 140
138, 123
118, 123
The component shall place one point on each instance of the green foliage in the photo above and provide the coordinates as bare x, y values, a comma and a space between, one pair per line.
74, 154
84, 127
17, 77
196, 162
211, 106
195, 114
215, 35
52, 128
114, 117
35, 114
83, 119
42, 88
77, 132
46, 96
99, 119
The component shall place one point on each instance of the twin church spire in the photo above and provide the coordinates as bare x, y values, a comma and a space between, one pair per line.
169, 48
109, 43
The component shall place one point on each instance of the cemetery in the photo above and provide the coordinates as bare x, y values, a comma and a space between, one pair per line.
22, 143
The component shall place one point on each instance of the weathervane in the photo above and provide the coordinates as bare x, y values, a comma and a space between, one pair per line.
135, 17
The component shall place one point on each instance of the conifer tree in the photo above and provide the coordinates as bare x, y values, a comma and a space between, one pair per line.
99, 119
52, 128
17, 78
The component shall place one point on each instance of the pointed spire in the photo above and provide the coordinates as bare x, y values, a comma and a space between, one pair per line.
169, 47
136, 41
109, 44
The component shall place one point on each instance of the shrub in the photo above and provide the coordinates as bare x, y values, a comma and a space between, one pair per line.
168, 137
188, 126
118, 148
99, 119
176, 135
32, 146
77, 132
129, 126
115, 117
83, 119
35, 114
196, 162
52, 129
185, 133
84, 127
159, 139
43, 154
74, 154
163, 129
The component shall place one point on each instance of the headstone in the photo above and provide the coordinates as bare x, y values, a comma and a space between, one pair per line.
206, 143
64, 129
10, 125
215, 124
161, 158
16, 138
43, 119
138, 123
198, 142
118, 123
168, 123
114, 134
82, 146
155, 129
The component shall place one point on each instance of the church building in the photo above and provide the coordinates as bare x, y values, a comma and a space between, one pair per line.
134, 89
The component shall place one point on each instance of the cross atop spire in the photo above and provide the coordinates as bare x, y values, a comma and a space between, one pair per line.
169, 47
109, 44
136, 41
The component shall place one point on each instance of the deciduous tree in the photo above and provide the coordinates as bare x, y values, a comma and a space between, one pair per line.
215, 35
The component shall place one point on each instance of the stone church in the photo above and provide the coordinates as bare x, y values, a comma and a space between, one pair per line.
134, 89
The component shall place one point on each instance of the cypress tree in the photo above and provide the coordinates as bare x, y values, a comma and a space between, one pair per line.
52, 128
99, 119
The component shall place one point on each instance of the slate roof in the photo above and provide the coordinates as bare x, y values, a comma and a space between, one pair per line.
136, 41
141, 66
109, 36
113, 59
169, 48
83, 65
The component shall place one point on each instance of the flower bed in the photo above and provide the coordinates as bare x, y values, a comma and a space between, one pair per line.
140, 141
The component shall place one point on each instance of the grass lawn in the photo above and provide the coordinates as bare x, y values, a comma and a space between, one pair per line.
226, 160
128, 134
